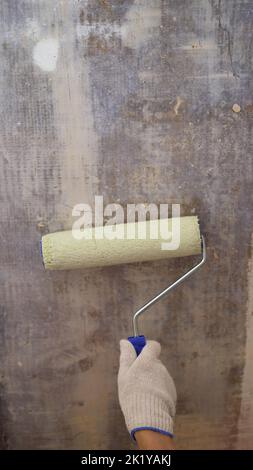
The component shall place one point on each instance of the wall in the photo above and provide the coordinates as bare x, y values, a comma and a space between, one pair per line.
131, 99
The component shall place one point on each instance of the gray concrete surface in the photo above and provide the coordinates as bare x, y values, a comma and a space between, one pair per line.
132, 100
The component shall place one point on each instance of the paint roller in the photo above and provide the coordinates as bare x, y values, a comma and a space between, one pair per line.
125, 243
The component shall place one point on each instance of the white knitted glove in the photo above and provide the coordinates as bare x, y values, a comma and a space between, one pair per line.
147, 393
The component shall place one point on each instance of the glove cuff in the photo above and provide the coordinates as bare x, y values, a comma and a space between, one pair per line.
148, 411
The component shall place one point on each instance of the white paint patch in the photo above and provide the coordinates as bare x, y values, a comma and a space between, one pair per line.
140, 24
45, 54
245, 423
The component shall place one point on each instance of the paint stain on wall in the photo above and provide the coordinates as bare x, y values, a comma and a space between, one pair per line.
139, 25
141, 22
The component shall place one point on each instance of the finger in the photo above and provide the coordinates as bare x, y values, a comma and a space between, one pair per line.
127, 355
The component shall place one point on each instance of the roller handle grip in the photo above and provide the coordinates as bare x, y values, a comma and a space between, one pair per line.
138, 343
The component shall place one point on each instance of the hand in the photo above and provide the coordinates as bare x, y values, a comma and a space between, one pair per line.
147, 393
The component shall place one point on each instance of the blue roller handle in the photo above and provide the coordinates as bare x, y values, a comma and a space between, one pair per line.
138, 343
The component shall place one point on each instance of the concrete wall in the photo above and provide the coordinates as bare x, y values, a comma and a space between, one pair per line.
131, 99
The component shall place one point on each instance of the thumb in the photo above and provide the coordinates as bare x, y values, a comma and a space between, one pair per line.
152, 350
127, 355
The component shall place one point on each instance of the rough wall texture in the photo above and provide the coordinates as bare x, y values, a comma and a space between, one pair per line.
131, 99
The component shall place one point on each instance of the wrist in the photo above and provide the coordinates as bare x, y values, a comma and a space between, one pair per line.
148, 439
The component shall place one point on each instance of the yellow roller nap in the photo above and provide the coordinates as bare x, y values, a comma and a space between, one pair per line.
62, 251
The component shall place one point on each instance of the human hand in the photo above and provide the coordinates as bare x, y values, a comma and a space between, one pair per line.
147, 393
